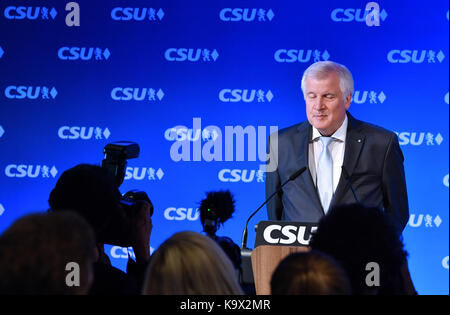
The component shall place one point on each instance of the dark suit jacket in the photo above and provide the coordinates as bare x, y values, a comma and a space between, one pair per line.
372, 158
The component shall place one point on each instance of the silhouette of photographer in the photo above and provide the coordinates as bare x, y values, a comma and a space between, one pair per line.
92, 192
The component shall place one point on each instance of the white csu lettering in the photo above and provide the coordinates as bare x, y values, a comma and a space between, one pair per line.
289, 232
122, 252
179, 214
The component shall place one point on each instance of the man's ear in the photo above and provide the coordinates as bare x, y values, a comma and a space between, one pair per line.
348, 100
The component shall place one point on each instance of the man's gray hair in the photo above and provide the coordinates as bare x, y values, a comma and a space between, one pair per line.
322, 69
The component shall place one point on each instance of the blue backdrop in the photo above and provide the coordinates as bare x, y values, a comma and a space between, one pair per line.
157, 72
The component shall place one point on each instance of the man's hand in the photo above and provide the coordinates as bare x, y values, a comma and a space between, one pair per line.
141, 228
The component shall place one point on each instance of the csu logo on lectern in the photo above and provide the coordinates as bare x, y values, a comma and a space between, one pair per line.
30, 92
284, 233
83, 53
30, 171
191, 54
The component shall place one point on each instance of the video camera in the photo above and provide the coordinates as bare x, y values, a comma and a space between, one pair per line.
115, 162
116, 155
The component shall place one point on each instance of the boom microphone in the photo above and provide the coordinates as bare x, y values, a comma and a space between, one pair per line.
292, 177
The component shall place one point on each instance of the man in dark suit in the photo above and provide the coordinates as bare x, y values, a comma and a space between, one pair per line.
337, 150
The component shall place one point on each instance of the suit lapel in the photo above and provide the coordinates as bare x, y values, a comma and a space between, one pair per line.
305, 134
353, 144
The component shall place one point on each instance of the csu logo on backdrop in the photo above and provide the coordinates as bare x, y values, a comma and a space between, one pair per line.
136, 94
29, 13
180, 214
191, 54
301, 55
419, 138
1, 52
30, 92
136, 14
372, 97
415, 56
444, 262
83, 53
246, 15
30, 171
84, 133
2, 131
426, 220
245, 95
2, 209
142, 173
181, 133
241, 175
355, 15
118, 252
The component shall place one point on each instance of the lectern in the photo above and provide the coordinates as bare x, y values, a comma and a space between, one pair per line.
274, 241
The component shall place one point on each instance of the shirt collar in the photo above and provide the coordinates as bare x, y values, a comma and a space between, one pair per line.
339, 134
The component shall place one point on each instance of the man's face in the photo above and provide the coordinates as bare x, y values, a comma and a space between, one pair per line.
325, 104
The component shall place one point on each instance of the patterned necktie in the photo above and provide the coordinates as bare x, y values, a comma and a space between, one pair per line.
325, 174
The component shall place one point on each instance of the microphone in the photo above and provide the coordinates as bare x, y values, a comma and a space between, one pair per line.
347, 178
292, 177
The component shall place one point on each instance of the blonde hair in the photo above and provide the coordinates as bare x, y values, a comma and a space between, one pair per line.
189, 263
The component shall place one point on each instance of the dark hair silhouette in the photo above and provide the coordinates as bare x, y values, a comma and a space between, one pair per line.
309, 273
355, 236
36, 250
88, 190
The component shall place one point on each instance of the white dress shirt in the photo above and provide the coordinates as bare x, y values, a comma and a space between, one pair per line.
336, 147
